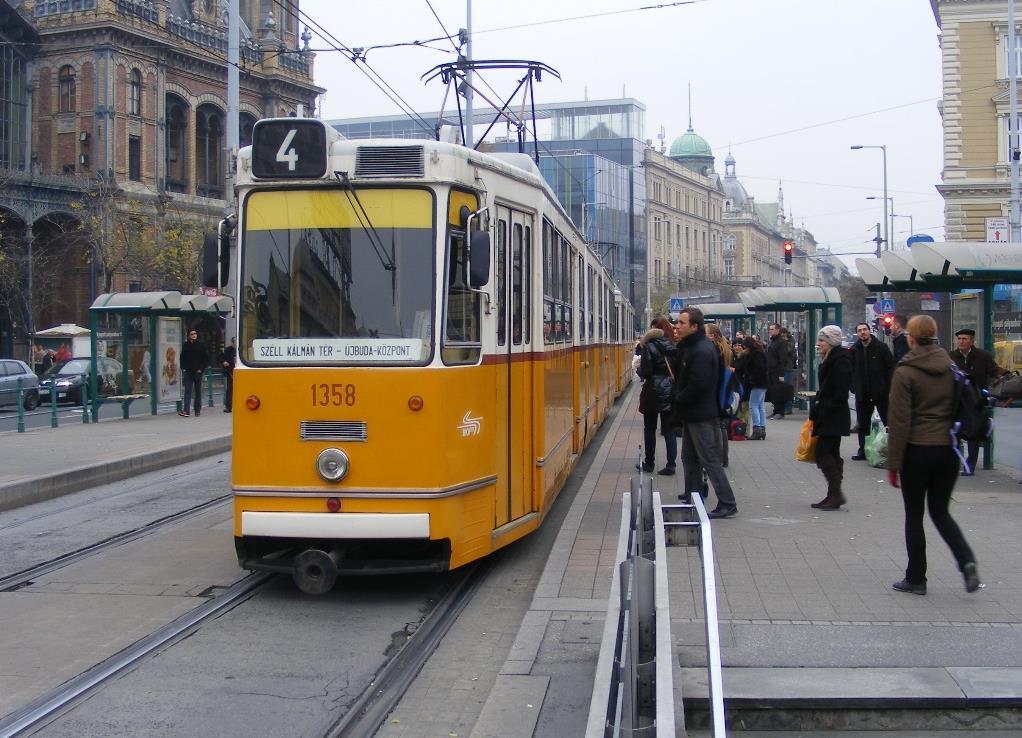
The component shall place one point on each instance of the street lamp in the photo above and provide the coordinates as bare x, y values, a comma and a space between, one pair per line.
911, 226
883, 149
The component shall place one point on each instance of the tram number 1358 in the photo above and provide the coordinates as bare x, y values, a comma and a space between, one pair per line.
332, 394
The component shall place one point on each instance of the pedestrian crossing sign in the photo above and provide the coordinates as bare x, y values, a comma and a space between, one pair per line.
675, 305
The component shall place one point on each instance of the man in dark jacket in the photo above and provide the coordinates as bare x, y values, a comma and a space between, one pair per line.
777, 364
227, 361
873, 365
697, 374
981, 368
194, 360
899, 340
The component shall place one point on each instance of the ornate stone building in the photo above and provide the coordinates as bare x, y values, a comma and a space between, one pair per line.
975, 181
684, 206
754, 235
127, 101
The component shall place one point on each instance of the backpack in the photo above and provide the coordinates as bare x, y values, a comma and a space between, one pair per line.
968, 410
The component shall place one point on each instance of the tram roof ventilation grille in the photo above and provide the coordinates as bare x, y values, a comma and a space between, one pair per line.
390, 161
333, 430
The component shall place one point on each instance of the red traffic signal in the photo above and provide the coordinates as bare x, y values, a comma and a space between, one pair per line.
789, 249
886, 322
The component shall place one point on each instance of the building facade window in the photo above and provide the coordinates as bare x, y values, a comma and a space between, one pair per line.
209, 142
66, 90
135, 93
135, 158
13, 106
177, 144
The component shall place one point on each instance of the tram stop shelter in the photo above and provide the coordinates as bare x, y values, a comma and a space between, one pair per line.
150, 306
741, 317
950, 266
822, 303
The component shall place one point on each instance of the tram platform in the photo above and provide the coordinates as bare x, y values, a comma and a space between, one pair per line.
812, 634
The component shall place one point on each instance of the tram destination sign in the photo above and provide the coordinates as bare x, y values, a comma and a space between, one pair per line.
289, 148
337, 350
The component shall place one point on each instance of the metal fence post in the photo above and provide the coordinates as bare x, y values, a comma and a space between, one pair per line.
209, 386
85, 398
21, 405
53, 404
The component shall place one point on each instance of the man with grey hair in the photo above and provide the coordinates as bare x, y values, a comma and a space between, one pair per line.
698, 374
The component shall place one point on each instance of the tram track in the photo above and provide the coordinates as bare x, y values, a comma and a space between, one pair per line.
368, 712
52, 703
25, 577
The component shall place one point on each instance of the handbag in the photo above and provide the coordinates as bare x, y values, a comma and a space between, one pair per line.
806, 449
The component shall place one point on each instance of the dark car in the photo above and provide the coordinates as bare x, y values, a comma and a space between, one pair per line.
11, 370
67, 378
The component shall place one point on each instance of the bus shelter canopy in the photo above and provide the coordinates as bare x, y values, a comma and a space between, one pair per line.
786, 299
944, 266
162, 303
724, 310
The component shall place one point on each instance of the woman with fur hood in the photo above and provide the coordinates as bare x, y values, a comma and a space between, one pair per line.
657, 349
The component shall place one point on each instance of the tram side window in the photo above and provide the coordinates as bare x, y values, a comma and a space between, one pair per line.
527, 285
501, 282
548, 266
566, 316
591, 301
581, 298
516, 285
461, 329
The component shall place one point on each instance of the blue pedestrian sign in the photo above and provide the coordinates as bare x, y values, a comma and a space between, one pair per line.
887, 305
676, 305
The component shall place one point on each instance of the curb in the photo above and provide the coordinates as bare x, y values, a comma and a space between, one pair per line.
50, 486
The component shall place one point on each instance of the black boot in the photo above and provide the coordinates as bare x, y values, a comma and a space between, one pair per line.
831, 468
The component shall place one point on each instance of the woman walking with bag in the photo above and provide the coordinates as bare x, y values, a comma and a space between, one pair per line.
656, 353
919, 448
755, 380
830, 415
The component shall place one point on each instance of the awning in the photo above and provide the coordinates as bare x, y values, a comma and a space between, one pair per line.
222, 305
724, 310
64, 330
140, 301
790, 298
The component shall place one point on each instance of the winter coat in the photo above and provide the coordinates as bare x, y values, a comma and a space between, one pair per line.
741, 362
921, 410
830, 414
899, 346
754, 375
655, 352
697, 374
777, 358
194, 357
979, 365
873, 366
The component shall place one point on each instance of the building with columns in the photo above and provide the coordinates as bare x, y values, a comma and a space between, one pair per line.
127, 143
975, 181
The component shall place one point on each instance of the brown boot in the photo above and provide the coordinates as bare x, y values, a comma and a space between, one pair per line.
831, 468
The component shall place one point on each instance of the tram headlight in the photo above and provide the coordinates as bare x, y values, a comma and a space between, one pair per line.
332, 464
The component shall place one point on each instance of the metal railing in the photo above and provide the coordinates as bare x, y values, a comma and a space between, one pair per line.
681, 529
633, 692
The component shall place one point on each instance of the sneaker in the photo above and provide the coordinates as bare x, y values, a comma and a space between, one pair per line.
722, 512
906, 586
667, 471
183, 413
971, 576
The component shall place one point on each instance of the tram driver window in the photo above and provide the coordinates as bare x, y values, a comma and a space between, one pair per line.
461, 327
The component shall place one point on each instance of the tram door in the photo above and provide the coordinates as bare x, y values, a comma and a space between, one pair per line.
514, 380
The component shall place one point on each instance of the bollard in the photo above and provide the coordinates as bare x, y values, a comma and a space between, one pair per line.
209, 386
85, 399
21, 405
53, 404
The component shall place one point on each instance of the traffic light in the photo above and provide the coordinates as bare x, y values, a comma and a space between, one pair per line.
887, 321
789, 249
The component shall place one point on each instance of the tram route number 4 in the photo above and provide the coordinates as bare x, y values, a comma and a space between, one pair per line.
287, 155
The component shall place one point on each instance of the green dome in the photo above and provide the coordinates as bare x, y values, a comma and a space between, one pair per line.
690, 144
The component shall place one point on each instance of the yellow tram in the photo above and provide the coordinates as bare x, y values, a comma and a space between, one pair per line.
426, 344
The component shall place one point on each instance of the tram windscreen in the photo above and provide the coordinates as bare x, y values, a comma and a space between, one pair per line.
331, 276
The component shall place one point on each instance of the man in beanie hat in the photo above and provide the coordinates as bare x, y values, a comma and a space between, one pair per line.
981, 368
872, 365
829, 413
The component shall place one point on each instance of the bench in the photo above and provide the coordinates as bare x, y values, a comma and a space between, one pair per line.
804, 398
125, 401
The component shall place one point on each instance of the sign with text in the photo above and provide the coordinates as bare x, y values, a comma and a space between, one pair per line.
997, 230
338, 350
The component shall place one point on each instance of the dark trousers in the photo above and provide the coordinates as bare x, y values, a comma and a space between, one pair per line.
827, 446
928, 476
649, 422
864, 416
973, 455
228, 390
701, 449
192, 381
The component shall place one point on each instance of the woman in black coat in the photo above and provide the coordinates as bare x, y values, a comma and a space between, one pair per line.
656, 355
830, 415
755, 380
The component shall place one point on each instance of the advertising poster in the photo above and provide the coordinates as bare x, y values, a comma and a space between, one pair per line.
168, 348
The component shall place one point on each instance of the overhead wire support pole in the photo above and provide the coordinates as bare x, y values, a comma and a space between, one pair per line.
469, 92
1013, 133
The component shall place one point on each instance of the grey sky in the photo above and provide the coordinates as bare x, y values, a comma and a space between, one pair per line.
788, 84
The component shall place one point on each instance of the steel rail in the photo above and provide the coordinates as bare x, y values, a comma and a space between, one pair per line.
71, 691
24, 577
383, 694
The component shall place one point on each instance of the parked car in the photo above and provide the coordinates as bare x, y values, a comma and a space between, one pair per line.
67, 378
11, 370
